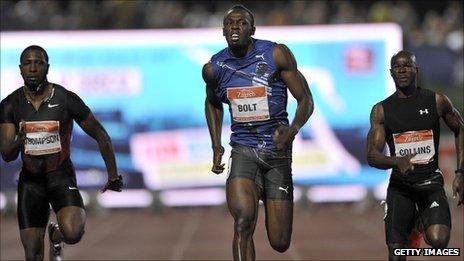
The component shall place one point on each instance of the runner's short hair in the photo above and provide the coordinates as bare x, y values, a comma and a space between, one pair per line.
241, 7
33, 47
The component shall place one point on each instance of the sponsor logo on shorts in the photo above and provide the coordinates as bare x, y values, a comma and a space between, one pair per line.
434, 205
72, 188
284, 189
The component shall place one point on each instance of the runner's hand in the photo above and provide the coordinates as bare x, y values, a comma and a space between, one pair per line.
458, 188
218, 168
114, 185
284, 136
22, 132
404, 164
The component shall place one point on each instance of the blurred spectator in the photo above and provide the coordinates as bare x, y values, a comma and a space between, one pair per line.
430, 28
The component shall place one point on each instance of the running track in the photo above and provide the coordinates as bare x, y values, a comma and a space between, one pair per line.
321, 232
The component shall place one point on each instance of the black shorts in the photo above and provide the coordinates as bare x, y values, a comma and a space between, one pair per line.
36, 191
270, 170
408, 202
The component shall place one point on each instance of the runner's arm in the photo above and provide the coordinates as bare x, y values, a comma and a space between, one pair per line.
94, 129
296, 84
454, 121
376, 143
214, 115
10, 144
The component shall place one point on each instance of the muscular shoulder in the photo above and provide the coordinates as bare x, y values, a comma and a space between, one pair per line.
280, 51
377, 113
444, 104
207, 74
283, 57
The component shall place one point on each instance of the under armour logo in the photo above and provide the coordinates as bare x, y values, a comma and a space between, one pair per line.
434, 205
426, 111
260, 56
284, 189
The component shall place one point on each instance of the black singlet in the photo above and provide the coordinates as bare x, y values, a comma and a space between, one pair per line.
43, 152
412, 125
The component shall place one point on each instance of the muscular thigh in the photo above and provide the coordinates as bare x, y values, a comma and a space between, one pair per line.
33, 206
242, 197
279, 218
278, 183
434, 207
62, 188
400, 215
243, 163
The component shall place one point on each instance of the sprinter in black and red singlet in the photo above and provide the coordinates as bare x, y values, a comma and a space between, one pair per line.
409, 122
36, 120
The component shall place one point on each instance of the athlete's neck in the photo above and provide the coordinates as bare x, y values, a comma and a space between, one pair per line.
42, 91
406, 91
241, 51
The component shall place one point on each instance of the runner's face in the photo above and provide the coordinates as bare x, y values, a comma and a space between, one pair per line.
34, 69
404, 71
237, 29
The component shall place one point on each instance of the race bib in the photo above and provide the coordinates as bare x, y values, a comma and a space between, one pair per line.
420, 142
248, 103
42, 137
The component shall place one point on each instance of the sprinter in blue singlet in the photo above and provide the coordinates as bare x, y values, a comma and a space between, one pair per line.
252, 76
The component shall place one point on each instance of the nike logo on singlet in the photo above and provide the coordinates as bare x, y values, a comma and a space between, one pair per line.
52, 105
71, 188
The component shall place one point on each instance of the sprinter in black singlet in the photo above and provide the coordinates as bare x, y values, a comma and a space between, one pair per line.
37, 120
409, 122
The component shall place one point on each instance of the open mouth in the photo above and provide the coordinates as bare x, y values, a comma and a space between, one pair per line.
234, 37
404, 78
33, 78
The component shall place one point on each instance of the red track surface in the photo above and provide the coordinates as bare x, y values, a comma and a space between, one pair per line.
322, 232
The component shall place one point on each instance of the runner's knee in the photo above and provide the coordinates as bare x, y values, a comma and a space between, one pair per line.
33, 250
281, 245
438, 240
33, 255
244, 225
71, 235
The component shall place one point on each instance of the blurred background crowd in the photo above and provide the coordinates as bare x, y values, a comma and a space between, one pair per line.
431, 29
